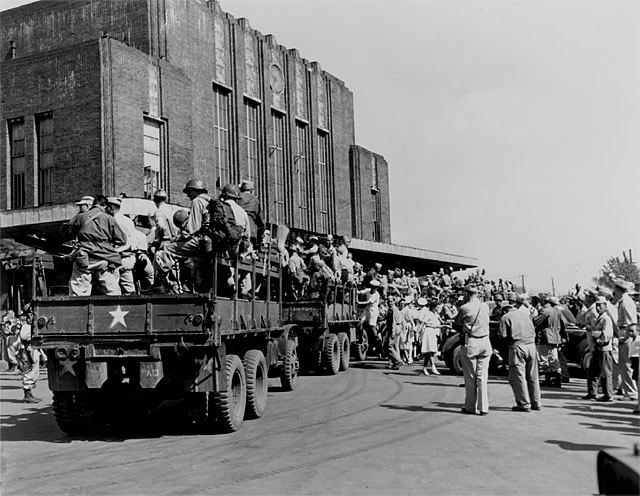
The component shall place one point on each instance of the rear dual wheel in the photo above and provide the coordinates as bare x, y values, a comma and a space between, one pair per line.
331, 354
290, 366
255, 369
345, 350
227, 408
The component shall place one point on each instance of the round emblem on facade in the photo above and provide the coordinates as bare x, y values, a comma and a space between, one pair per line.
276, 79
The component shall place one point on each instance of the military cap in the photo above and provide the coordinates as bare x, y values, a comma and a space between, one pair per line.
470, 288
114, 200
374, 282
422, 302
85, 200
604, 291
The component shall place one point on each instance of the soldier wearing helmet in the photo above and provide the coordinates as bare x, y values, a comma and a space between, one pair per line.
191, 242
230, 195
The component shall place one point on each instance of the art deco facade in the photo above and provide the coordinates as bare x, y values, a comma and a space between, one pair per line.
106, 96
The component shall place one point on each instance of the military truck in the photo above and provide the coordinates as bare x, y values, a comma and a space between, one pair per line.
112, 358
328, 327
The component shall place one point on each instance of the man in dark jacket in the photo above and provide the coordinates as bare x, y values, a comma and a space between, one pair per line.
98, 236
549, 331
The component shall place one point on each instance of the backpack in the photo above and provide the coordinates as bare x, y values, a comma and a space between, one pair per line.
223, 230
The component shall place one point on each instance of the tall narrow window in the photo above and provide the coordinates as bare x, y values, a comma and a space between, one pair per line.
18, 163
276, 151
324, 200
44, 133
154, 156
301, 171
376, 216
374, 173
221, 125
252, 139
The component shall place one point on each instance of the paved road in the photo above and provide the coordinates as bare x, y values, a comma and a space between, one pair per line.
367, 431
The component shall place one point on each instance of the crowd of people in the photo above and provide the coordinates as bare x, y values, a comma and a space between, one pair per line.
406, 317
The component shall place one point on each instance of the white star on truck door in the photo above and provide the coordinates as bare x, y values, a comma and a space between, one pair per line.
118, 317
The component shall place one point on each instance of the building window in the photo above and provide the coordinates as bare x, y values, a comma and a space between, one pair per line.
301, 174
376, 216
276, 151
374, 173
44, 134
324, 199
18, 163
252, 139
154, 156
221, 126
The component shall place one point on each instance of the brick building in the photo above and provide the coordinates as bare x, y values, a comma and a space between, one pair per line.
106, 96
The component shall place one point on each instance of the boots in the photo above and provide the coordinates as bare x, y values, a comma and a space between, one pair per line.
29, 397
434, 370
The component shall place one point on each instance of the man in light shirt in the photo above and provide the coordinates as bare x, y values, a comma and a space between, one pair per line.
627, 324
127, 284
602, 334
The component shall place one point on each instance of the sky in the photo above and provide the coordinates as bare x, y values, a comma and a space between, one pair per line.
511, 128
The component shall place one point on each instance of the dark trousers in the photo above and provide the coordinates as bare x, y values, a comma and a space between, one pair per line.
601, 367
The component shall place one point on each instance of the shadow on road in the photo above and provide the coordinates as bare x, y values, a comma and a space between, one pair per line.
455, 409
441, 384
569, 446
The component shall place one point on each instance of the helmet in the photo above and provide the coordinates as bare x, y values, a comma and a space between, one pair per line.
231, 191
179, 217
195, 184
160, 193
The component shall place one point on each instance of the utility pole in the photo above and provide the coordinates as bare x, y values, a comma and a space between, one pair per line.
553, 287
524, 289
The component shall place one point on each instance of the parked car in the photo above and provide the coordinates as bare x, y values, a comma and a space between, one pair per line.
575, 349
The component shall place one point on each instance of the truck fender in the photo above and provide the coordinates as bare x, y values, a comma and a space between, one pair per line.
289, 332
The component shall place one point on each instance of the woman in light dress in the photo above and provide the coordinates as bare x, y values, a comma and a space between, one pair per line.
430, 324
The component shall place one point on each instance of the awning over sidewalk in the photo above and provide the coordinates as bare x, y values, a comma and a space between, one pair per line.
407, 257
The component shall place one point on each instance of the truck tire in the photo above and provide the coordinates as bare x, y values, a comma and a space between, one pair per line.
331, 354
456, 359
73, 413
289, 375
360, 349
345, 350
228, 406
255, 370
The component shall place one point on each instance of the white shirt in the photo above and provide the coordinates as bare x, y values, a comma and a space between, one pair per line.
126, 224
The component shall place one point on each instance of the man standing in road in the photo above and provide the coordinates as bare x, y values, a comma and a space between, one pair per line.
602, 335
517, 328
473, 321
549, 329
627, 323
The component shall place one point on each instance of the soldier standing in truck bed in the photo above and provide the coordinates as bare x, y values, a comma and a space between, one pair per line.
251, 204
98, 236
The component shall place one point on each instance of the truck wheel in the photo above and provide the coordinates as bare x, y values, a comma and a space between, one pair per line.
73, 413
331, 354
255, 370
345, 350
360, 349
289, 375
456, 359
228, 406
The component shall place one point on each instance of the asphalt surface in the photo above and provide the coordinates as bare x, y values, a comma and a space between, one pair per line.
366, 431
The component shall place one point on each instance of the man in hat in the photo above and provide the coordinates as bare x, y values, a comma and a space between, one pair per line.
601, 359
627, 327
371, 314
163, 229
191, 241
473, 321
517, 328
127, 252
567, 318
251, 204
549, 331
297, 276
96, 252
84, 204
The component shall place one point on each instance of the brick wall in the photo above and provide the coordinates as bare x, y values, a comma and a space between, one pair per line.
66, 82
